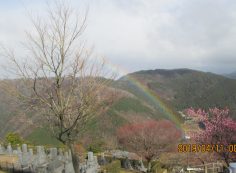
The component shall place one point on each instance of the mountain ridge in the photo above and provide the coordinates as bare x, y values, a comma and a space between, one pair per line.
188, 88
140, 97
231, 75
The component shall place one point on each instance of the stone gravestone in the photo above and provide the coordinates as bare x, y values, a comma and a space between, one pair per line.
31, 153
9, 149
66, 156
25, 156
53, 163
60, 154
95, 160
90, 160
55, 166
40, 162
70, 155
1, 149
19, 154
68, 164
69, 167
102, 160
24, 148
53, 153
232, 167
83, 167
126, 164
142, 167
31, 159
92, 163
19, 149
41, 156
14, 152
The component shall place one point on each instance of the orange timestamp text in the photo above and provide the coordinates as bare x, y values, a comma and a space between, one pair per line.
194, 148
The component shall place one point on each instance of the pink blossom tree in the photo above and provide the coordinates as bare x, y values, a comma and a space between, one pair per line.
216, 128
149, 139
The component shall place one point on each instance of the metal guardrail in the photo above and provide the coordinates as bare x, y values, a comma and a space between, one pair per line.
206, 168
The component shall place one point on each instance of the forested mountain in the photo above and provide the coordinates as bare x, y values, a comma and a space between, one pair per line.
139, 96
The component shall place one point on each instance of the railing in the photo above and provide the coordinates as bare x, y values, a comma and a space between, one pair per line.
206, 168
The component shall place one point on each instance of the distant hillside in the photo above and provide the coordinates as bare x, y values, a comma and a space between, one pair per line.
231, 75
126, 108
139, 96
184, 88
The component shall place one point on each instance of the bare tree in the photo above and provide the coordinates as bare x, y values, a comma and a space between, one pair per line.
59, 78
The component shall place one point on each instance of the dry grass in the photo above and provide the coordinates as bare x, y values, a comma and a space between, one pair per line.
7, 160
126, 171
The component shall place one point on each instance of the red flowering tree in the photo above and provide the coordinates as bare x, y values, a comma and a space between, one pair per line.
216, 128
149, 139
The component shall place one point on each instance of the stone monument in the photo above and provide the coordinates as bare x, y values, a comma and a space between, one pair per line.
232, 167
9, 149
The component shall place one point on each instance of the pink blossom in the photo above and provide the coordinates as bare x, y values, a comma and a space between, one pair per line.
219, 128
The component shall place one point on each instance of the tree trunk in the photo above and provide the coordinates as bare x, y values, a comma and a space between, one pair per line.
225, 157
227, 162
75, 158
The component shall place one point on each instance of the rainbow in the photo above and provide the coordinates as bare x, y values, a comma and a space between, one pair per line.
152, 96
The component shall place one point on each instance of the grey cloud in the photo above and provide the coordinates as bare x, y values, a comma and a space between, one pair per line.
149, 34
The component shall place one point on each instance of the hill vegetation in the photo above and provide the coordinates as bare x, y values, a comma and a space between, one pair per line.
136, 100
184, 88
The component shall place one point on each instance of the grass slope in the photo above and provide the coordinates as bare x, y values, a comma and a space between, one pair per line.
41, 136
177, 89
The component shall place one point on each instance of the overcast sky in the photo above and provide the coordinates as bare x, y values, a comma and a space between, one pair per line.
145, 34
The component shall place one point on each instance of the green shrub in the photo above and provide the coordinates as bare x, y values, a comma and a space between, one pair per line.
157, 167
114, 167
14, 139
96, 147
